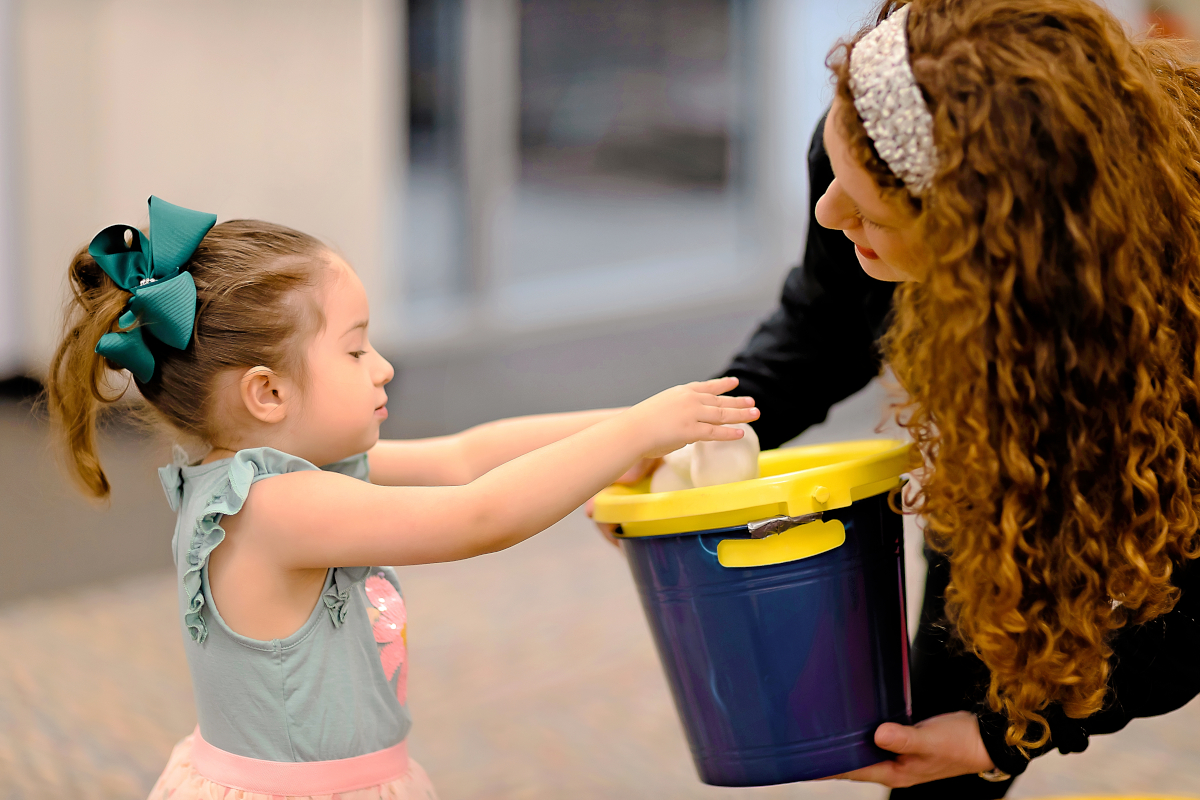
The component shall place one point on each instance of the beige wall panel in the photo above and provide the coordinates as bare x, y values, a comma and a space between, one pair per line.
279, 109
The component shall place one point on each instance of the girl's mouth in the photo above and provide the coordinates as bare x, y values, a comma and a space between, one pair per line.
866, 253
382, 412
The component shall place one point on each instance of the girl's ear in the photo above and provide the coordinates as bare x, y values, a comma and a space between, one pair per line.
265, 394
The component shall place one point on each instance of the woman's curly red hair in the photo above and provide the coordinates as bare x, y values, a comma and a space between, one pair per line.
1050, 355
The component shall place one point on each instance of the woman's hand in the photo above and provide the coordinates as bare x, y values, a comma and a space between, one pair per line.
944, 746
694, 412
634, 474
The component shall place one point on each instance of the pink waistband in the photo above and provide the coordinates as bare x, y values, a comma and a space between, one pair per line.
298, 777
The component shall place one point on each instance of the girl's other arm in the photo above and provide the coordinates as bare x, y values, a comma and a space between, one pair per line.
462, 457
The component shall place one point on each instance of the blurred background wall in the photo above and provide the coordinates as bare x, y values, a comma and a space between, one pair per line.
554, 204
489, 166
13, 356
285, 111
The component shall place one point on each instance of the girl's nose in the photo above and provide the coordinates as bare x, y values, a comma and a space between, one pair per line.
385, 372
835, 210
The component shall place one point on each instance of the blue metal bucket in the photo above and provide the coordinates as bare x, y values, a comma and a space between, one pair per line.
782, 672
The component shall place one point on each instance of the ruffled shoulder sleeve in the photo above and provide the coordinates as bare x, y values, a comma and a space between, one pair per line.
171, 477
355, 466
337, 597
226, 496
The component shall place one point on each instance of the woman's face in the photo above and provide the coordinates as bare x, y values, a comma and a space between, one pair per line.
884, 231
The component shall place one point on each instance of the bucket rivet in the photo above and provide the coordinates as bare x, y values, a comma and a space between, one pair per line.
820, 494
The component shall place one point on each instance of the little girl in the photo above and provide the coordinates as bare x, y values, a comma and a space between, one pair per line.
251, 339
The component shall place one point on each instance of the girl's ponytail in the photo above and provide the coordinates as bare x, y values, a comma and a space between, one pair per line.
255, 294
78, 386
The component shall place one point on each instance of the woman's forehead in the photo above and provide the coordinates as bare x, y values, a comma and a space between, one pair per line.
855, 181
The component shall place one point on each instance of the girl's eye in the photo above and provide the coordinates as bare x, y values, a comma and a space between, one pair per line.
358, 353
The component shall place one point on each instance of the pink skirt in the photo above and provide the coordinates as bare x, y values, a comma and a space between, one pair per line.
182, 781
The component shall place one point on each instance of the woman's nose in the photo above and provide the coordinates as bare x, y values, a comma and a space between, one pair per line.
835, 210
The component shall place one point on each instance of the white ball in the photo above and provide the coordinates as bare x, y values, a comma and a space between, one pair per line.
715, 463
675, 472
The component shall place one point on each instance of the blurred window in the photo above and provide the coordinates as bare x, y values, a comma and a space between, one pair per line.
433, 265
573, 158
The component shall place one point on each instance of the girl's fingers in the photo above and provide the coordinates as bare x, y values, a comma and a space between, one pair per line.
714, 386
716, 415
722, 433
726, 401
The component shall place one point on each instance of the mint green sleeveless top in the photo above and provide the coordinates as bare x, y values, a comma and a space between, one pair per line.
336, 688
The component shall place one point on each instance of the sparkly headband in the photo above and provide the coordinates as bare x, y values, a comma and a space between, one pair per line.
889, 101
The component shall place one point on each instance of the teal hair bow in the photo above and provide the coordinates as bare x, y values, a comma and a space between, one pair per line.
164, 298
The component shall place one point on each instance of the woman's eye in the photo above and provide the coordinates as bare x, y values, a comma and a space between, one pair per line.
868, 222
862, 219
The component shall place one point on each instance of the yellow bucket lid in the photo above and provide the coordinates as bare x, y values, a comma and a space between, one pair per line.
794, 482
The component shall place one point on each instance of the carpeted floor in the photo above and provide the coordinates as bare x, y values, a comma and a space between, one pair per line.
533, 676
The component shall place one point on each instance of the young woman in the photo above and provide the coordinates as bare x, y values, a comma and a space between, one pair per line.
1028, 178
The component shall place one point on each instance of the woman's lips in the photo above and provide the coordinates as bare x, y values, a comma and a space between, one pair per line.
866, 253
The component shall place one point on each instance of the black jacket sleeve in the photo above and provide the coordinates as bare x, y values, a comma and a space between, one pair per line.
1155, 669
819, 345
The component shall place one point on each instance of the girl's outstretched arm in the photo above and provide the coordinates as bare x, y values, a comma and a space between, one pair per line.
311, 519
463, 457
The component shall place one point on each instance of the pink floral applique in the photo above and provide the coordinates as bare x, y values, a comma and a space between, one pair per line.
390, 627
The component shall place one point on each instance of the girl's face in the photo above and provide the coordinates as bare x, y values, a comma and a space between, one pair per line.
884, 231
344, 401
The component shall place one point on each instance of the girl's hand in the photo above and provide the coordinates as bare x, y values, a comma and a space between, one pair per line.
944, 746
694, 412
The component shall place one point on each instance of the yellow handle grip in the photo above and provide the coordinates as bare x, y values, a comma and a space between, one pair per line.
803, 541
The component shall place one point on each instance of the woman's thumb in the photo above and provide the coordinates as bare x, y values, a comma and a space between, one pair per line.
898, 738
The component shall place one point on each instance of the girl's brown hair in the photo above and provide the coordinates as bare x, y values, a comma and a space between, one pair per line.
250, 277
1050, 355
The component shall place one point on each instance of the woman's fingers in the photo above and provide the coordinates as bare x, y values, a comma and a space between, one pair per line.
607, 530
884, 772
899, 738
639, 470
940, 747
